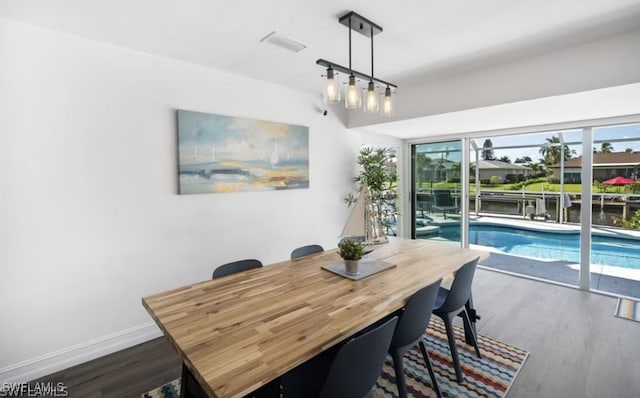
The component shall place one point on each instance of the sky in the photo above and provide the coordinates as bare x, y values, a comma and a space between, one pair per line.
570, 136
208, 137
600, 134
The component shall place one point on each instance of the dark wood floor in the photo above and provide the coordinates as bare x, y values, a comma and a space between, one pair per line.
578, 348
127, 373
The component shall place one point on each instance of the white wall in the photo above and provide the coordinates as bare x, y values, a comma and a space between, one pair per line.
607, 62
90, 221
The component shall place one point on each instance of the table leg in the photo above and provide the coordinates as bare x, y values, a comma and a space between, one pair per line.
189, 386
270, 390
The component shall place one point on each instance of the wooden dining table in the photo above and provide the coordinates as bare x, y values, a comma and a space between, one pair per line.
238, 333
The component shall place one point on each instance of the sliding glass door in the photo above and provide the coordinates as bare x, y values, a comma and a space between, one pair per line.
436, 175
559, 205
615, 212
522, 209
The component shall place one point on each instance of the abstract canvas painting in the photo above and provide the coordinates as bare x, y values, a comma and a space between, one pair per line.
230, 154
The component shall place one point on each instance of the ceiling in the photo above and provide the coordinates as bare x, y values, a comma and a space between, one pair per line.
422, 39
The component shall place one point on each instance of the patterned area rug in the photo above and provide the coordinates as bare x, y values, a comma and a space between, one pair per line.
628, 309
490, 376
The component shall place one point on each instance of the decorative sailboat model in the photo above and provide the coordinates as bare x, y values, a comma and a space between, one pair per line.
363, 224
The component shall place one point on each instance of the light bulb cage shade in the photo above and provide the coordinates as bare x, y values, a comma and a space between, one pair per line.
331, 88
371, 103
347, 71
387, 103
352, 98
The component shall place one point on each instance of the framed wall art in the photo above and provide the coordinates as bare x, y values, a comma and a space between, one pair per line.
219, 153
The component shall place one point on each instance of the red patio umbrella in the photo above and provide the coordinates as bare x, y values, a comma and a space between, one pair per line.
619, 181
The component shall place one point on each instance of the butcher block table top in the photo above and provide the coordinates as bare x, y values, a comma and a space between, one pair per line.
241, 331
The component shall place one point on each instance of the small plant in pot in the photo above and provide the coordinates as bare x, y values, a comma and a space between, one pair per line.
351, 251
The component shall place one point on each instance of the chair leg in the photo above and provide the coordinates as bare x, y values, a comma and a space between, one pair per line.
399, 369
448, 323
472, 335
427, 362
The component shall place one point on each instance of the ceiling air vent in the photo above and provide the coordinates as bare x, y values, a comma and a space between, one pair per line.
282, 41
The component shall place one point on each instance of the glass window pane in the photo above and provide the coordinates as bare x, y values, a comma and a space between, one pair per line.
521, 208
437, 189
615, 233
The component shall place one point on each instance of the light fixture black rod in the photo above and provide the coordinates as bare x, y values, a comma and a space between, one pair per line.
372, 52
344, 69
349, 43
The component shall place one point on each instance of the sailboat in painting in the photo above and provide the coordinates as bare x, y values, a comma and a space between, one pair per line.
274, 155
362, 223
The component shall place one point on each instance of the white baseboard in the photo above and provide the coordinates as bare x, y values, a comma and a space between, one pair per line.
75, 355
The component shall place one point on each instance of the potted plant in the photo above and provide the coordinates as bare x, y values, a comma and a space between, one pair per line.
351, 251
378, 172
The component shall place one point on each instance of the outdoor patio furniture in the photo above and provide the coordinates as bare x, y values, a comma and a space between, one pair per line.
444, 202
424, 202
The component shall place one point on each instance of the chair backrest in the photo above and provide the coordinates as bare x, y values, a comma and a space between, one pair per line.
442, 198
306, 250
416, 315
357, 365
460, 288
236, 266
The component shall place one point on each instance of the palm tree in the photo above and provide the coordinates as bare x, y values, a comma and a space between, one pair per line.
606, 147
422, 163
535, 168
456, 170
524, 159
551, 151
505, 159
487, 150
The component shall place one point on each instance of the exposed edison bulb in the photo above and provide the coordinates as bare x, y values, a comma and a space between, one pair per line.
371, 103
387, 103
353, 98
331, 91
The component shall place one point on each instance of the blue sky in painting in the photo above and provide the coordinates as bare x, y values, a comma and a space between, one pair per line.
204, 136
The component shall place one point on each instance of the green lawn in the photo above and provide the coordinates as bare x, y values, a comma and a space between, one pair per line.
577, 188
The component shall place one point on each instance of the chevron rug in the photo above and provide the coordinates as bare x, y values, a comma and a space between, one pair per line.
490, 376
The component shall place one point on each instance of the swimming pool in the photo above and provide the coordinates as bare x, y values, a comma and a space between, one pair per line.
549, 245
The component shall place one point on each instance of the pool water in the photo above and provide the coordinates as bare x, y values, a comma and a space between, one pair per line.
549, 245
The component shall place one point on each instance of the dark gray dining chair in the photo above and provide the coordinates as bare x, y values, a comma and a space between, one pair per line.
346, 371
236, 266
451, 303
412, 323
306, 250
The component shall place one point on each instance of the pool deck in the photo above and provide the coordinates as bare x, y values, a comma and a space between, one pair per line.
605, 278
552, 226
563, 272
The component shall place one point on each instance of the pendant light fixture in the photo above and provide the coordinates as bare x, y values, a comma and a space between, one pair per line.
353, 97
371, 103
331, 92
352, 100
387, 103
